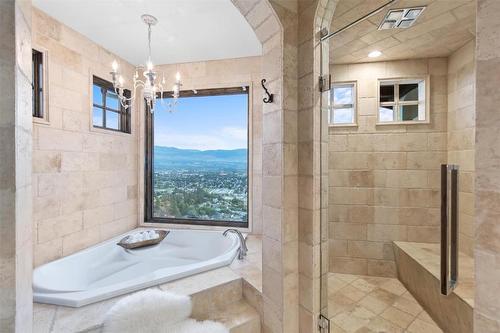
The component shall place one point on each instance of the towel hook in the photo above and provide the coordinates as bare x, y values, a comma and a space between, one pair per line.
270, 97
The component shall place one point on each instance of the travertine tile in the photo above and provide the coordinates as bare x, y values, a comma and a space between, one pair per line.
418, 269
397, 317
387, 306
420, 326
387, 178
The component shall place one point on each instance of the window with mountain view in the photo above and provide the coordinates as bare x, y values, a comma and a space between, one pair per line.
200, 158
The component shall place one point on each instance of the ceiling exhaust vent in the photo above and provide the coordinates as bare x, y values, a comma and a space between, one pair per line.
400, 18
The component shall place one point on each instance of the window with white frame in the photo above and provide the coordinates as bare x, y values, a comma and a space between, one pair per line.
403, 100
343, 104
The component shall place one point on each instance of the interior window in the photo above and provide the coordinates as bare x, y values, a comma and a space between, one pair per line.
37, 84
199, 158
402, 100
107, 111
343, 103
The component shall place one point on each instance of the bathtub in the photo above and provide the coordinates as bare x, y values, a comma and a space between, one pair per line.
107, 270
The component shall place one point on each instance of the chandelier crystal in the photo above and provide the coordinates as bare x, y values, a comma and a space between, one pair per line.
151, 88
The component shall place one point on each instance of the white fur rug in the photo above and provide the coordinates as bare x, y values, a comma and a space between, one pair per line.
156, 311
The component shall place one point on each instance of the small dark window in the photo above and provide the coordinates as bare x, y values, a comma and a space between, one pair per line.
386, 93
37, 84
408, 92
107, 111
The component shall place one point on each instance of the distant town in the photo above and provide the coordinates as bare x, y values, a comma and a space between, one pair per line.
200, 185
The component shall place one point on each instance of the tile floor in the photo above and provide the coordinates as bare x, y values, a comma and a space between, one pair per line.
367, 304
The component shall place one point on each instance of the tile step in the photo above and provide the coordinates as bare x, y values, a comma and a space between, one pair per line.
239, 317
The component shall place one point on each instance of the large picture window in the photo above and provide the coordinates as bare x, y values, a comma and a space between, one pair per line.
198, 158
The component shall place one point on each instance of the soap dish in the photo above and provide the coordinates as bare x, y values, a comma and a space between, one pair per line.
126, 244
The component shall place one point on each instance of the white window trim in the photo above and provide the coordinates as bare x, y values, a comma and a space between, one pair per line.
397, 103
354, 105
45, 120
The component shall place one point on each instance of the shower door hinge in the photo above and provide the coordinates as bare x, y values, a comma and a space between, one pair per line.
323, 324
322, 33
325, 83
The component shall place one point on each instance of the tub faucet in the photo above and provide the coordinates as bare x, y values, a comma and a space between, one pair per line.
242, 253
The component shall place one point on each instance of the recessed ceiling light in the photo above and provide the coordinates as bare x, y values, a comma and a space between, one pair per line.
400, 18
374, 54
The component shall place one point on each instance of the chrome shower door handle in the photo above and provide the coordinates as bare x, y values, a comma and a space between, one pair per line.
449, 228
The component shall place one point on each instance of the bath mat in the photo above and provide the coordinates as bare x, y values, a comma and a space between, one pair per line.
156, 311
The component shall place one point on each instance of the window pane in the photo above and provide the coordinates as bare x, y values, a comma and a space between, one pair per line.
37, 86
112, 120
343, 116
96, 95
408, 112
413, 13
97, 117
343, 95
386, 113
408, 92
405, 23
200, 158
388, 25
112, 101
387, 93
394, 15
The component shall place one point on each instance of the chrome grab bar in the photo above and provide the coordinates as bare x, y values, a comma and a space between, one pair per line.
449, 228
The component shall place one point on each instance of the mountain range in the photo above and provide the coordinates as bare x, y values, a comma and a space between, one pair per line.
171, 158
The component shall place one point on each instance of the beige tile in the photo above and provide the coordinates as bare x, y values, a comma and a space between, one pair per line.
408, 306
379, 324
397, 317
420, 326
353, 320
351, 292
374, 304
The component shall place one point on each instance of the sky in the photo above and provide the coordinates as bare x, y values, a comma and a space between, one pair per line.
343, 95
203, 123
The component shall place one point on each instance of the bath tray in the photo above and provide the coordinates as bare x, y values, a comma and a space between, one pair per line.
126, 245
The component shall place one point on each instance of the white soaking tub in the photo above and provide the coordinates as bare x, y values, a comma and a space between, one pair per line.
107, 270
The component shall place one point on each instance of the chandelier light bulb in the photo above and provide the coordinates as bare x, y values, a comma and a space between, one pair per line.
150, 66
114, 66
121, 80
178, 77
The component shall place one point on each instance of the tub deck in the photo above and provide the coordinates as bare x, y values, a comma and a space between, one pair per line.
244, 277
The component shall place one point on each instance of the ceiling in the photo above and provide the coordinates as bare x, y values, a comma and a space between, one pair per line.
188, 30
442, 28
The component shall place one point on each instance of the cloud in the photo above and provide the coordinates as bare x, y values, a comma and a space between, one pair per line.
225, 138
237, 133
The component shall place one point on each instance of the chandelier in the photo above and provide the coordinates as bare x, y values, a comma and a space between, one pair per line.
150, 87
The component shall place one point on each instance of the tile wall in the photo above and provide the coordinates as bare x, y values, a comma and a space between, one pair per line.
487, 180
15, 167
84, 179
461, 131
384, 179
